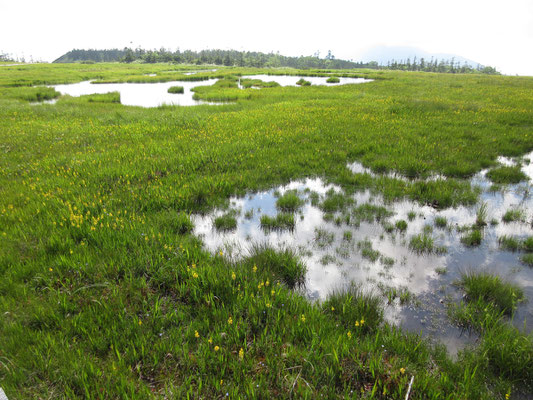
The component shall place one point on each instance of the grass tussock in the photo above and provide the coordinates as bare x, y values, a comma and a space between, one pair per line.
282, 221
514, 215
507, 175
289, 202
284, 263
472, 238
111, 97
226, 222
356, 310
491, 289
176, 89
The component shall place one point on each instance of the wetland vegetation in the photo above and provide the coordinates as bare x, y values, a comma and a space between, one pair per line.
108, 289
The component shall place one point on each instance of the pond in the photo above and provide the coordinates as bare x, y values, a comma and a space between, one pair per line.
286, 80
155, 94
360, 242
139, 94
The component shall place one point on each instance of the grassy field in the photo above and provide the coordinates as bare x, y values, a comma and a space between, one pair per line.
105, 293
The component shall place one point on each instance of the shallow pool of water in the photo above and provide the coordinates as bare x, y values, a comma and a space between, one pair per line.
140, 94
286, 80
332, 249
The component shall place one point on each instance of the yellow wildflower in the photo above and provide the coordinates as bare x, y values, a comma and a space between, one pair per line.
196, 334
217, 348
332, 308
241, 353
233, 276
402, 370
349, 334
195, 275
254, 268
362, 321
356, 323
230, 320
302, 318
210, 340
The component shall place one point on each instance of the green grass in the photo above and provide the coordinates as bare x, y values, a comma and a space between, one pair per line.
491, 289
365, 246
369, 213
481, 215
303, 82
441, 222
176, 89
103, 286
31, 94
258, 83
335, 202
514, 215
333, 79
505, 174
357, 311
505, 350
226, 222
527, 244
509, 243
111, 97
323, 238
422, 243
472, 238
289, 202
284, 263
527, 259
282, 221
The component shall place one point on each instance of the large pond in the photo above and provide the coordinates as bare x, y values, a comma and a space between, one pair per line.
360, 243
155, 94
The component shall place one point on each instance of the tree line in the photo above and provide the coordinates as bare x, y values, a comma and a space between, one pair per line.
215, 57
263, 60
436, 65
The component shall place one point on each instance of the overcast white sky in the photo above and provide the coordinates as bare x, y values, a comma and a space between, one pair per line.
497, 33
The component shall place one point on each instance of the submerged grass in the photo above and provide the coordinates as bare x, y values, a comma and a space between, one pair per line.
282, 221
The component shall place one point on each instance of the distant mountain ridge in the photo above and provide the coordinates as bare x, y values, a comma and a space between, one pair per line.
384, 54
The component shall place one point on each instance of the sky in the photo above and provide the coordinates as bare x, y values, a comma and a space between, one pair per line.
496, 33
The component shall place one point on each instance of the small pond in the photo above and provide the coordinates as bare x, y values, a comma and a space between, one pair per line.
286, 80
139, 94
360, 243
155, 94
